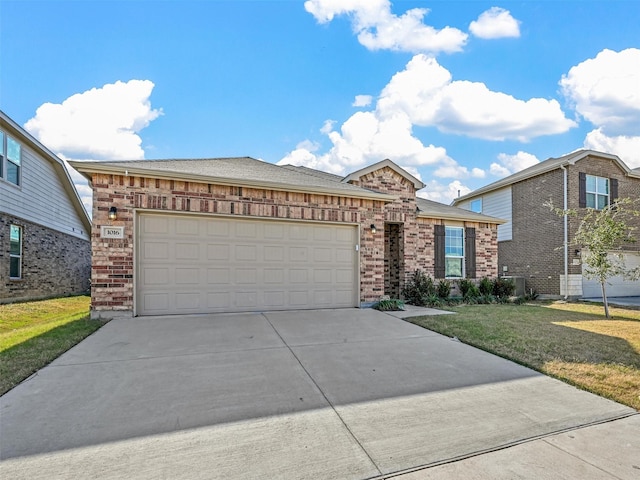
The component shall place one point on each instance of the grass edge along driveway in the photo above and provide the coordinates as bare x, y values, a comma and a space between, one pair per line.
33, 334
572, 342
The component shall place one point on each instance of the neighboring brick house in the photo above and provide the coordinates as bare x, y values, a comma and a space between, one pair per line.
239, 234
531, 244
45, 248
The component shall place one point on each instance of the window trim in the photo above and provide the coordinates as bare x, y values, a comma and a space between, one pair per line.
19, 256
460, 257
476, 201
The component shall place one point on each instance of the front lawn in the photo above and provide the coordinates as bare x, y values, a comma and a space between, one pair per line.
570, 341
33, 334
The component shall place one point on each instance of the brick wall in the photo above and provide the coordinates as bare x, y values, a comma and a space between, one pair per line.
486, 247
53, 264
113, 264
536, 251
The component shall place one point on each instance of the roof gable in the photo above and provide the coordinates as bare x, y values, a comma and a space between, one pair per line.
13, 129
355, 176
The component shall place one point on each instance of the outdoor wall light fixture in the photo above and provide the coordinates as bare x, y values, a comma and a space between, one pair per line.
113, 213
373, 228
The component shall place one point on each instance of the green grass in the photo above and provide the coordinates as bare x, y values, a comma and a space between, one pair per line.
33, 334
569, 341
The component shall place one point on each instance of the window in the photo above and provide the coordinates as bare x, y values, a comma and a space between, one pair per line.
15, 252
597, 189
453, 252
11, 151
476, 205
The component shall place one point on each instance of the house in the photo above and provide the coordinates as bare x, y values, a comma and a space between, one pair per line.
45, 248
239, 234
534, 243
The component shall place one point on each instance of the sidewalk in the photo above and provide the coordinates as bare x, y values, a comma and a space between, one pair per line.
605, 451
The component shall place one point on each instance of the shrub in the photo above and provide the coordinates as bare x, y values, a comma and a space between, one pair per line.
465, 285
444, 289
485, 286
503, 288
390, 305
419, 289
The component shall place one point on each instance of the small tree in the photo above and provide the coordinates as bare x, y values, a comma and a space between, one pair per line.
601, 236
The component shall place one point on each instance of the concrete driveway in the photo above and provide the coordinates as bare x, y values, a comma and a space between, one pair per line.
327, 394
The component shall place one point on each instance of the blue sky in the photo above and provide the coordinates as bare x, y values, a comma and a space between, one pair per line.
458, 93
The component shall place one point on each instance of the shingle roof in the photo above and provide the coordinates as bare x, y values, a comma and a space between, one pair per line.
244, 171
543, 167
429, 208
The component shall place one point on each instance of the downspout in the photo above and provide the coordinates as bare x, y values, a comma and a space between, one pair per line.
565, 219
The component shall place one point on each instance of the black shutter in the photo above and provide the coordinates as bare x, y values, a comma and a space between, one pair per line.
470, 252
438, 244
582, 190
613, 190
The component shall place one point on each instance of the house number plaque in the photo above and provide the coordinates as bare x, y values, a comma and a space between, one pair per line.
111, 232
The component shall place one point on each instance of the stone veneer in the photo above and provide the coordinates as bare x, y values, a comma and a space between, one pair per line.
113, 262
53, 264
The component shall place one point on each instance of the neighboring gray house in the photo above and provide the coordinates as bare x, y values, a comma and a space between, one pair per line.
45, 247
531, 244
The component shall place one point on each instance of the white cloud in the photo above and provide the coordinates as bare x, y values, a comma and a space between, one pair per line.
101, 123
425, 91
508, 164
625, 147
362, 101
424, 94
377, 28
443, 193
606, 90
495, 23
499, 170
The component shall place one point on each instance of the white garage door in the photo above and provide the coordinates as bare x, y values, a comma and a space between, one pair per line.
191, 264
616, 286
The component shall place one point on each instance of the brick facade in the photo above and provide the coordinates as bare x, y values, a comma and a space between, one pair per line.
536, 251
53, 264
113, 260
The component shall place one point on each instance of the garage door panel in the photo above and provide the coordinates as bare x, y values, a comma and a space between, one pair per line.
245, 253
617, 286
155, 302
217, 251
273, 253
275, 299
345, 256
187, 301
218, 301
186, 251
155, 276
156, 250
274, 275
187, 276
186, 227
231, 264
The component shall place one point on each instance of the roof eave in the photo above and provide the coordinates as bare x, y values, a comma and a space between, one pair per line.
87, 168
483, 219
